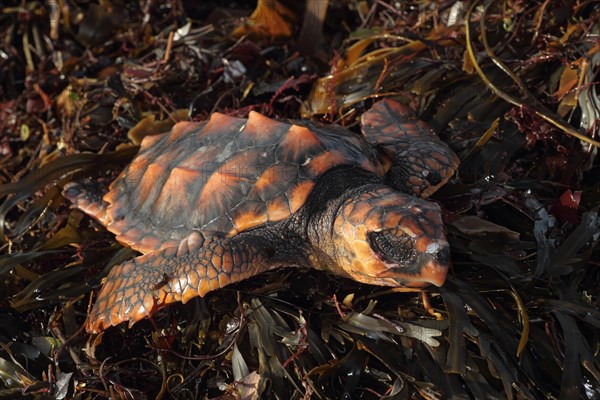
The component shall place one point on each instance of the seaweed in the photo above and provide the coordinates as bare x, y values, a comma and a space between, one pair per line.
511, 86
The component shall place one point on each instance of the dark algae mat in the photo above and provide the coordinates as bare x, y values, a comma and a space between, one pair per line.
511, 86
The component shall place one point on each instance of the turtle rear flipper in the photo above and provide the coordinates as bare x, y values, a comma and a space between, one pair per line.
420, 162
138, 288
88, 198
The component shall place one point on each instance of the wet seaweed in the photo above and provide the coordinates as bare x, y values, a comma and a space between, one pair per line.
512, 86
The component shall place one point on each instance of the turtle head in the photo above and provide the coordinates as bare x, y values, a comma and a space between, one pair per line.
388, 238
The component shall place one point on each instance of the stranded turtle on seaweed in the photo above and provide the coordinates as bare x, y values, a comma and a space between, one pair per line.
212, 203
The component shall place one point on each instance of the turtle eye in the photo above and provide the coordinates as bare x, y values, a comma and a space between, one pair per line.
394, 247
433, 178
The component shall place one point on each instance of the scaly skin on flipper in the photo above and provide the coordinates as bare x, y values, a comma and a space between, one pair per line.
136, 289
87, 199
420, 163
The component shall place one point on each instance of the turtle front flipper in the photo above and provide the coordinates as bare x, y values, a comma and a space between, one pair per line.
138, 288
420, 162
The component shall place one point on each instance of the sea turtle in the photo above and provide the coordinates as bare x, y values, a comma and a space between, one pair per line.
215, 202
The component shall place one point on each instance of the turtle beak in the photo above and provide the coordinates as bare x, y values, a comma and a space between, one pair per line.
431, 272
434, 272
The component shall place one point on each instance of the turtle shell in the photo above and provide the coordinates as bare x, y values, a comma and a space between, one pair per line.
225, 176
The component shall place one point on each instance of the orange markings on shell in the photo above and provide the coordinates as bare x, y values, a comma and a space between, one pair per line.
299, 194
180, 178
199, 176
264, 182
249, 217
297, 141
149, 243
134, 239
147, 184
261, 128
150, 140
129, 232
172, 199
180, 129
232, 232
324, 162
279, 176
218, 189
243, 165
130, 176
219, 123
